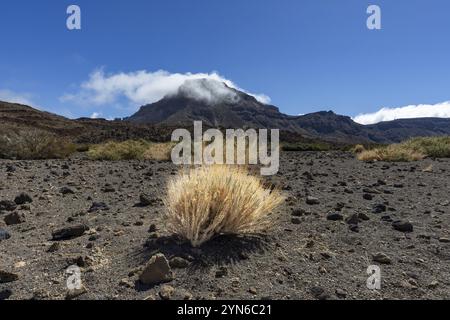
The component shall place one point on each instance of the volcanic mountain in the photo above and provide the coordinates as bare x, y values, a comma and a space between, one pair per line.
218, 105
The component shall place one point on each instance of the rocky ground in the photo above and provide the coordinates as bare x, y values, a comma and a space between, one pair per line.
340, 216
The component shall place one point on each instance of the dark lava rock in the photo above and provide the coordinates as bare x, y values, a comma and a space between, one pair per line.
4, 235
319, 293
70, 232
66, 190
14, 218
403, 226
6, 276
312, 200
145, 200
353, 219
98, 206
379, 208
367, 196
156, 271
7, 205
5, 294
178, 262
22, 199
354, 227
296, 220
381, 258
10, 168
335, 216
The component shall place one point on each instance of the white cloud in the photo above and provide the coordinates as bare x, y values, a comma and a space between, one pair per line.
440, 110
143, 87
96, 115
14, 97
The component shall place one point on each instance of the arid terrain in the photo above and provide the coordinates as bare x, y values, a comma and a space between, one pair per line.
340, 216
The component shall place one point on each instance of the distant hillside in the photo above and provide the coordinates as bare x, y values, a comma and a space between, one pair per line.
219, 106
244, 111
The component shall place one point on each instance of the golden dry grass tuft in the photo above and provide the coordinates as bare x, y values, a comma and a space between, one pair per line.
34, 144
213, 200
159, 151
358, 149
391, 153
411, 150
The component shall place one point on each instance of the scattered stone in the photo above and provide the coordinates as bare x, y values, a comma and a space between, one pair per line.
146, 200
152, 228
98, 206
66, 190
335, 216
353, 219
403, 226
296, 220
252, 290
6, 276
74, 293
319, 293
156, 271
125, 282
363, 217
379, 208
444, 240
10, 168
367, 196
5, 294
354, 227
4, 235
54, 247
299, 212
341, 293
7, 205
14, 218
70, 232
381, 258
166, 292
22, 199
178, 262
312, 200
433, 285
108, 188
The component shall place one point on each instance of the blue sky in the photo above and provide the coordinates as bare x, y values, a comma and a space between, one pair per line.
306, 55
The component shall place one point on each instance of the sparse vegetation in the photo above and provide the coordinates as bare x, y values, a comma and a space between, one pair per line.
130, 150
411, 150
358, 149
34, 144
209, 201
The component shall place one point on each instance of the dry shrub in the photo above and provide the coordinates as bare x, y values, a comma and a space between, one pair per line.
391, 153
159, 151
213, 200
411, 150
33, 144
127, 150
358, 148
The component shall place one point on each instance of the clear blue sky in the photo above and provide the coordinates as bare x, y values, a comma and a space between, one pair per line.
307, 55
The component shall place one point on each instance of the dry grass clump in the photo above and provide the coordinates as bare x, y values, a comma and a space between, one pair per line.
411, 150
130, 150
435, 147
113, 151
212, 200
159, 151
358, 149
33, 144
391, 153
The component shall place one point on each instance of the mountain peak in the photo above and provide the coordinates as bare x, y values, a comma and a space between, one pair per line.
208, 91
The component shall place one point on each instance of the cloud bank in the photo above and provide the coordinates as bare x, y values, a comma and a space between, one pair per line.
440, 110
143, 87
14, 97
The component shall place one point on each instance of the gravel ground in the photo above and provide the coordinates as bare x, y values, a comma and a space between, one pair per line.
340, 217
